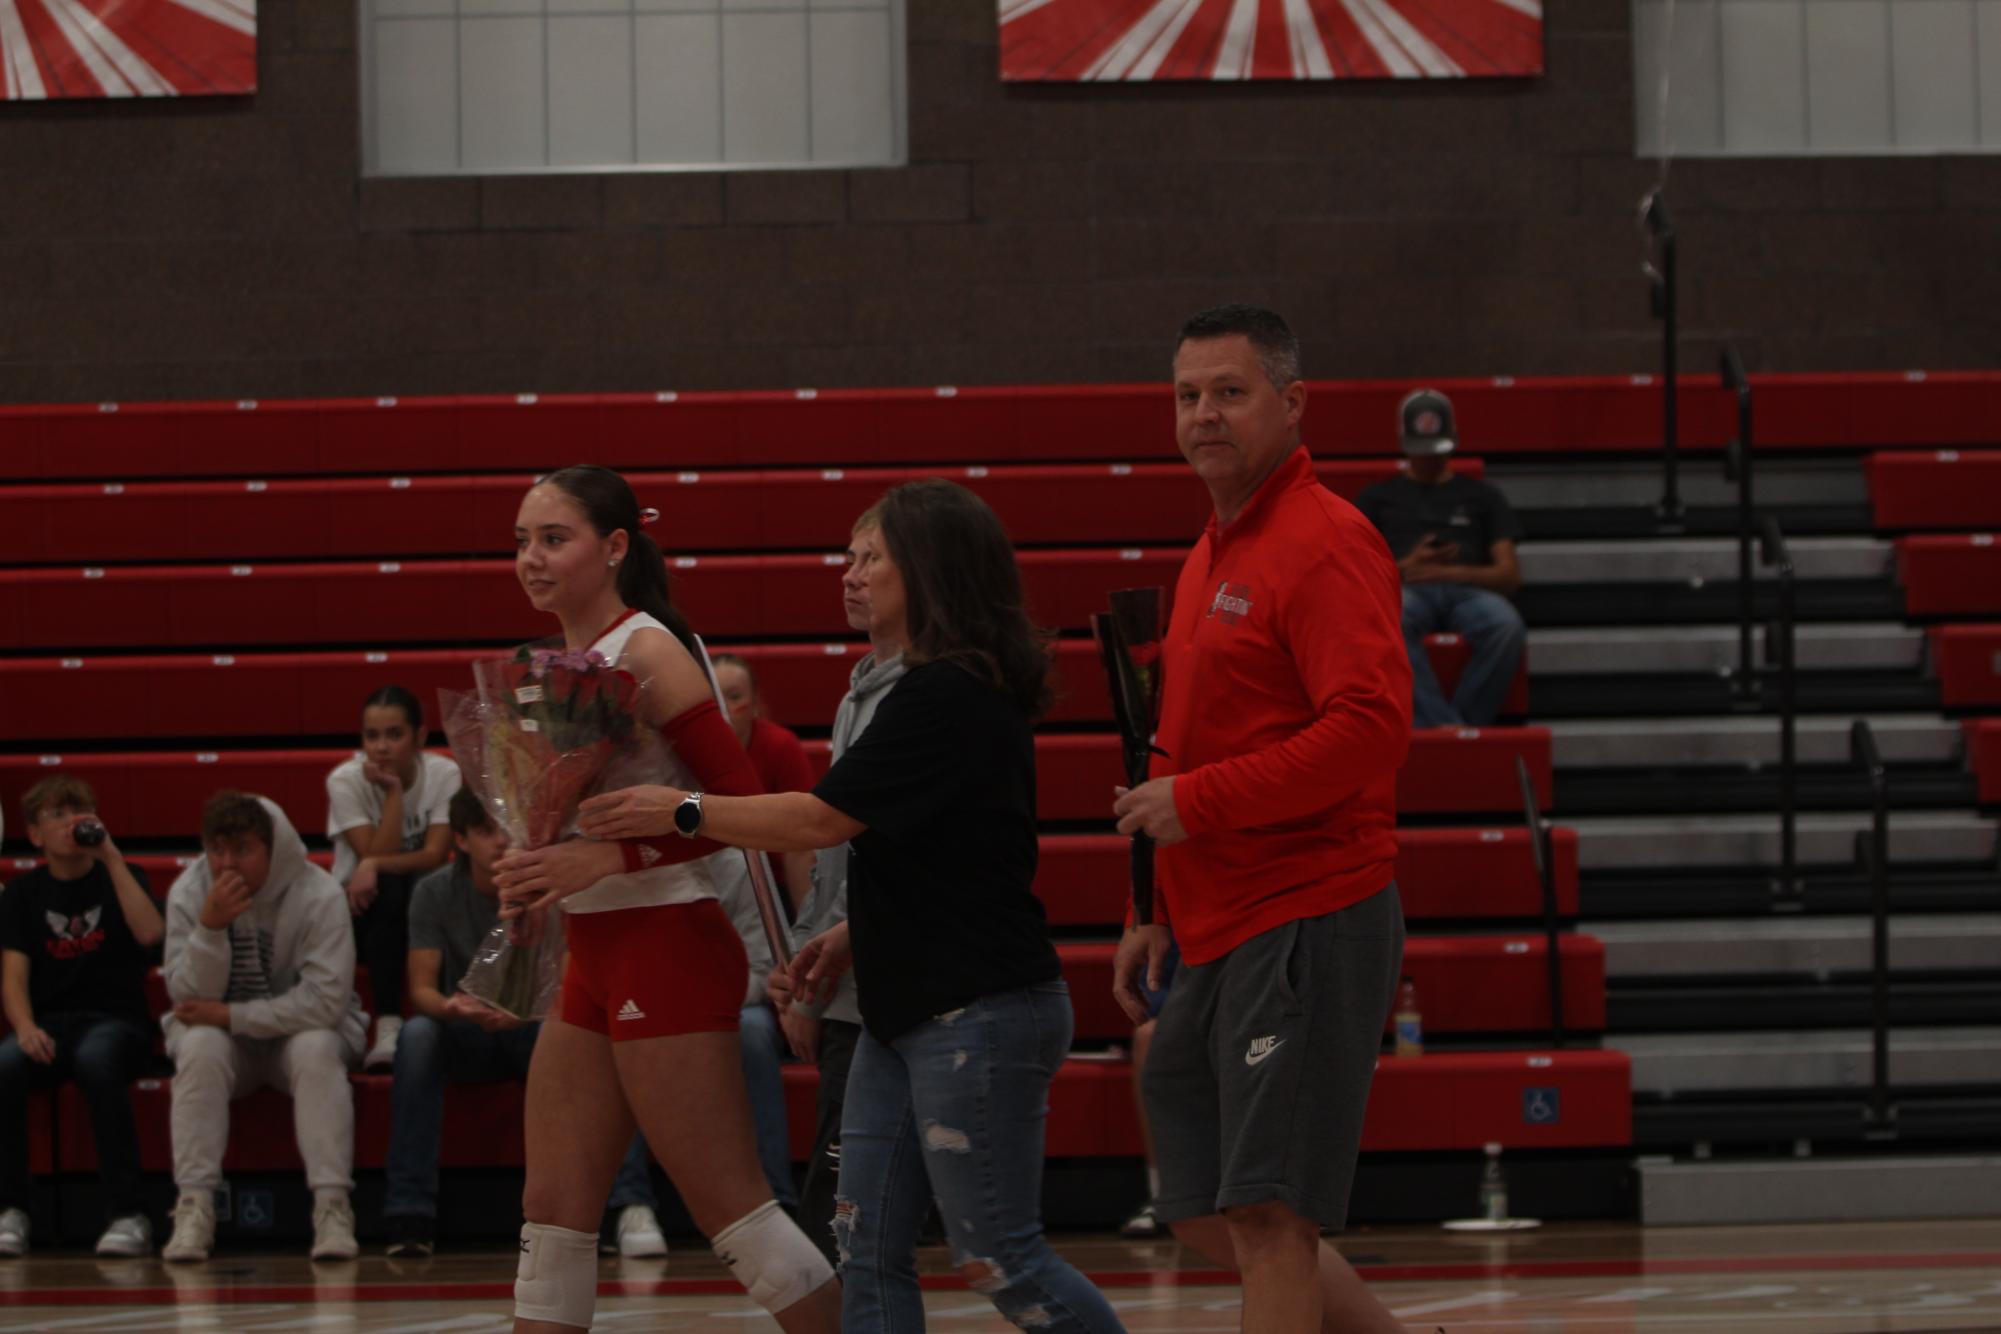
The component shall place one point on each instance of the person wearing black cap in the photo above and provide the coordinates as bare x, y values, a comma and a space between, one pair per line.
1454, 540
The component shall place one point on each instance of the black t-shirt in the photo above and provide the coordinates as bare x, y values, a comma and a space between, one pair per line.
940, 900
81, 954
1469, 513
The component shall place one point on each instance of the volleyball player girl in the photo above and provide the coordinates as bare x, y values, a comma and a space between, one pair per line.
646, 1030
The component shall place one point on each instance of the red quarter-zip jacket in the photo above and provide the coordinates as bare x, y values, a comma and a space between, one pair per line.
1285, 715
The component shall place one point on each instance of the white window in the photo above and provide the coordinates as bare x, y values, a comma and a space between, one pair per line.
491, 86
1759, 77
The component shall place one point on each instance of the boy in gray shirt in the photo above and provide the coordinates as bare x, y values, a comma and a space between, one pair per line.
452, 1038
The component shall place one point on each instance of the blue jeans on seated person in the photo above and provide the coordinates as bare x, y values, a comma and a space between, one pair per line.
955, 1108
763, 1053
103, 1054
1491, 627
430, 1055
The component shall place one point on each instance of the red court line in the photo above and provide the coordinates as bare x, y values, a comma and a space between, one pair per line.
1121, 1278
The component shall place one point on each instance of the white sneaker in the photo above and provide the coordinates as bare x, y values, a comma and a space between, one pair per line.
131, 1235
639, 1235
383, 1054
1142, 1223
13, 1233
194, 1229
333, 1231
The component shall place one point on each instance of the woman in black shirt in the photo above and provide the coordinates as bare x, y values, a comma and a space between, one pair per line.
965, 1013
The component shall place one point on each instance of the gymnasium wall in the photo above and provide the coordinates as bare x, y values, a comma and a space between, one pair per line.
229, 249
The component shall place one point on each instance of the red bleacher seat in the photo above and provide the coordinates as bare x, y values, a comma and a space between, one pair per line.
1436, 1102
158, 794
1945, 575
1481, 873
1449, 655
1465, 984
457, 515
1946, 488
1967, 661
1449, 770
1983, 756
228, 696
474, 601
1521, 1100
804, 427
1443, 1101
1441, 874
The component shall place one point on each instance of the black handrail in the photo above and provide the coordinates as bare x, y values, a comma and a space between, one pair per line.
1663, 277
1779, 644
1545, 869
1873, 849
1738, 467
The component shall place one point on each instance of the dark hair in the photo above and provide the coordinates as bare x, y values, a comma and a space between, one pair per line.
1278, 350
467, 812
722, 660
962, 588
231, 814
58, 790
607, 501
396, 697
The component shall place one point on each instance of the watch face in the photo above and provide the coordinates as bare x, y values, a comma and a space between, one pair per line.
688, 815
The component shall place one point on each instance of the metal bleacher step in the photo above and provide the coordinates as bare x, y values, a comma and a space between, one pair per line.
1802, 1190
1713, 649
1741, 742
1691, 764
1650, 894
1601, 671
1695, 561
1597, 485
1606, 843
1685, 949
1678, 1065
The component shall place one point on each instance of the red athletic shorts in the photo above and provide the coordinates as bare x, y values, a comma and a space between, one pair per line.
655, 972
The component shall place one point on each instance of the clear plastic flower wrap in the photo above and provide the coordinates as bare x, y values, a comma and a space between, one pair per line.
540, 731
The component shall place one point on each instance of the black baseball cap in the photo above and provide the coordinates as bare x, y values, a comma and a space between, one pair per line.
1428, 428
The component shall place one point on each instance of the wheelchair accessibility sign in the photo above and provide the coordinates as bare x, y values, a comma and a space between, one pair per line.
1542, 1106
255, 1211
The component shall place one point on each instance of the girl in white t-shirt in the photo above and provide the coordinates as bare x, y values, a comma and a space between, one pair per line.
387, 813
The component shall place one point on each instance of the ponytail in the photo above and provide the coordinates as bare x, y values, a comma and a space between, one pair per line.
642, 585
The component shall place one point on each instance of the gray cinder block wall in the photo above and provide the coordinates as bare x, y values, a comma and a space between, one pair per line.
223, 249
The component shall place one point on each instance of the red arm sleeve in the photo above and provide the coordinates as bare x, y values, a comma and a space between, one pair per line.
701, 736
1343, 620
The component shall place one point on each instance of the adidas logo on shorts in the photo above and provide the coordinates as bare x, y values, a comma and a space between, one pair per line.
631, 1010
1261, 1048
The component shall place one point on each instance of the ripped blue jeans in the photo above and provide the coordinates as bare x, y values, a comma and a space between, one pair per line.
955, 1109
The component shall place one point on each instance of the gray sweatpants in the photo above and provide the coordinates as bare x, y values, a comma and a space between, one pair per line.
213, 1068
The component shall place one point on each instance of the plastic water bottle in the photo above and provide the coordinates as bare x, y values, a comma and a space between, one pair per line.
1493, 1188
1409, 1022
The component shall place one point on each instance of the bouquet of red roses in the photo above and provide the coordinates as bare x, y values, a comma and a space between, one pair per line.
533, 739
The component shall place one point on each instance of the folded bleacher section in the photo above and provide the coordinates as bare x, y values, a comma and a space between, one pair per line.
199, 595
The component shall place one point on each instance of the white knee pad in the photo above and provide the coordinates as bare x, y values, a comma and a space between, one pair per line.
557, 1280
772, 1258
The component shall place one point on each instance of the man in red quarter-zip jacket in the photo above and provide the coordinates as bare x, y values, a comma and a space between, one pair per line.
1285, 716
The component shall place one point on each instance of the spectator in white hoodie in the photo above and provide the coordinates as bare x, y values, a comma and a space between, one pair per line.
260, 967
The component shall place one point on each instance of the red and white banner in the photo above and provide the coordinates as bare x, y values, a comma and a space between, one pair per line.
126, 48
1137, 40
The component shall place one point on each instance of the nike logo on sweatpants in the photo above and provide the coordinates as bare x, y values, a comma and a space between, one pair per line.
1261, 1048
